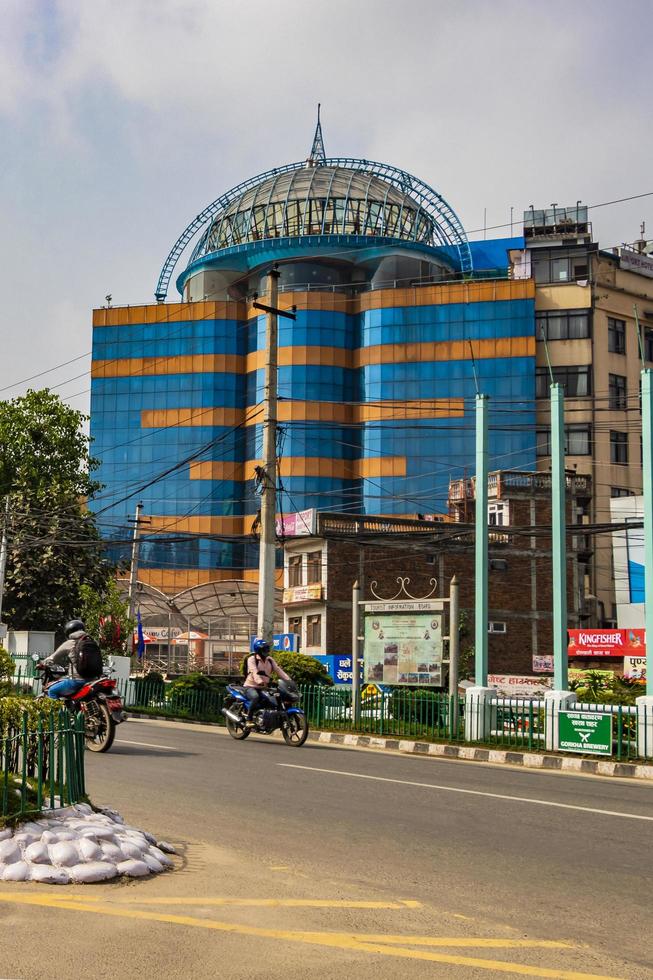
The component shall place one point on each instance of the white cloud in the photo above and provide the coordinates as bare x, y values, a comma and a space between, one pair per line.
122, 118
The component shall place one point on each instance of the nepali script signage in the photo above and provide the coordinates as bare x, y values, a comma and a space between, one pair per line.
297, 525
607, 643
403, 642
637, 262
585, 731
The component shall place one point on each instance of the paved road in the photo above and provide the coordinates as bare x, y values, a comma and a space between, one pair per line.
325, 861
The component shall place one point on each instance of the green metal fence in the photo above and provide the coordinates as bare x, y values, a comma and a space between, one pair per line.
406, 714
507, 723
522, 723
175, 702
42, 765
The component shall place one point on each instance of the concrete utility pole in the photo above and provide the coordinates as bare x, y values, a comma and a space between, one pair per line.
355, 673
268, 537
133, 571
481, 545
559, 537
3, 556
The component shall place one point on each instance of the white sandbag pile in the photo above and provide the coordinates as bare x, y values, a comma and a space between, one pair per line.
79, 845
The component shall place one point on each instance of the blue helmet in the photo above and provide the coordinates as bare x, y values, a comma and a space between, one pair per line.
262, 647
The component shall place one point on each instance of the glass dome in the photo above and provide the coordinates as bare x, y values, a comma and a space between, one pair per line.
318, 200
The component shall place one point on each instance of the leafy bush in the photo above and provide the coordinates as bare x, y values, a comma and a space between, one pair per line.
303, 668
7, 668
13, 708
197, 682
419, 705
148, 686
595, 688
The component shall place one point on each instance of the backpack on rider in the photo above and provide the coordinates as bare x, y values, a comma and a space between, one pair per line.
88, 658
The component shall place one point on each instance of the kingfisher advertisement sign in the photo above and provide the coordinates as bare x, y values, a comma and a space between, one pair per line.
607, 643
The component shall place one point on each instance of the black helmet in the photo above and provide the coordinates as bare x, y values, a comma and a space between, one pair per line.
74, 626
261, 647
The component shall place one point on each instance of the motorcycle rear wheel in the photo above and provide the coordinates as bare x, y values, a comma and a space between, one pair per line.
237, 731
295, 730
100, 739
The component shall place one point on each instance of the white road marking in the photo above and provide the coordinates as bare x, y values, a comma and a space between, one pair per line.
148, 745
471, 792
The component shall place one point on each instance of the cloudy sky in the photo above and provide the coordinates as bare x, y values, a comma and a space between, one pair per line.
121, 119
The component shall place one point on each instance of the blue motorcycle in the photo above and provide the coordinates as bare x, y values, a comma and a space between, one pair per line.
277, 708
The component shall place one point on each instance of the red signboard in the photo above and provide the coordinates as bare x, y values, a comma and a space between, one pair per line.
607, 643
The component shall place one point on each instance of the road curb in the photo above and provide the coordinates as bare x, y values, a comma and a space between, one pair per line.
444, 750
471, 753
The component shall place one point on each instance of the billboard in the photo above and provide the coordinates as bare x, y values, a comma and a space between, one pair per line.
403, 648
519, 685
635, 668
606, 643
338, 666
296, 525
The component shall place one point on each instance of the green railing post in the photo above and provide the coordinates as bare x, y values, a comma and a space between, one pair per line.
51, 758
23, 788
481, 544
39, 773
559, 537
5, 789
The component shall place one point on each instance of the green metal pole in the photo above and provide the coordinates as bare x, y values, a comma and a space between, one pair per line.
559, 538
647, 468
481, 570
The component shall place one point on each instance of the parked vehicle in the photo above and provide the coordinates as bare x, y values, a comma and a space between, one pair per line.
279, 709
98, 701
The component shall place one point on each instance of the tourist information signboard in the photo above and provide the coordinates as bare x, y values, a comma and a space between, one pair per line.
404, 646
589, 732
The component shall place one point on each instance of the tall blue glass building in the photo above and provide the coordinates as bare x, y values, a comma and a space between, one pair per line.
398, 319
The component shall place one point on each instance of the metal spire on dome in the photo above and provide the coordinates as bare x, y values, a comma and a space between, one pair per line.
317, 156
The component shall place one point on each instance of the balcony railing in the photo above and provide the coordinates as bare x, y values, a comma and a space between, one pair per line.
514, 482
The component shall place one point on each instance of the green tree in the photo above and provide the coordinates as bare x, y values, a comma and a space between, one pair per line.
54, 546
106, 617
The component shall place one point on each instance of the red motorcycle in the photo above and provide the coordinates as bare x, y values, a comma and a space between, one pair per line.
98, 701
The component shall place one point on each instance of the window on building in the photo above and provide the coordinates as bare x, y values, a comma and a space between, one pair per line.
294, 571
578, 440
498, 565
616, 336
618, 447
576, 381
648, 344
314, 631
559, 265
498, 515
295, 625
563, 324
314, 567
621, 492
617, 392
496, 627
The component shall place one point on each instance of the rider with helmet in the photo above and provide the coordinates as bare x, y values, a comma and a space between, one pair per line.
260, 667
66, 656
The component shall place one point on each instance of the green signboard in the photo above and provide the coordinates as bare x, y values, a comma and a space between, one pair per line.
589, 732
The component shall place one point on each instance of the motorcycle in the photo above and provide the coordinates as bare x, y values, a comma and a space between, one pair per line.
98, 701
278, 709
